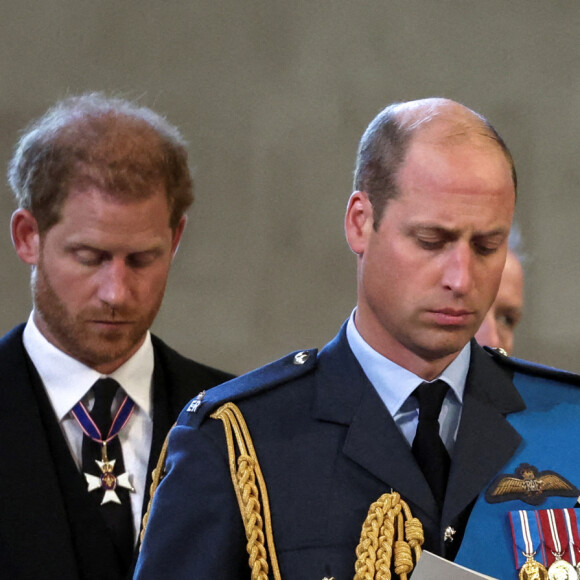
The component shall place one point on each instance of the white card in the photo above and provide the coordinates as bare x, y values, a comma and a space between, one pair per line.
432, 567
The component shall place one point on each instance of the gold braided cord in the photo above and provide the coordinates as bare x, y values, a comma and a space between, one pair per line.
388, 517
245, 470
157, 475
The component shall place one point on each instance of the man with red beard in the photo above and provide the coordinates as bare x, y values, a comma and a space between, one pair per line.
87, 393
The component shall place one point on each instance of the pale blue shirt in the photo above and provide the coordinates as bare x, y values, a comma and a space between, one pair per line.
395, 384
68, 381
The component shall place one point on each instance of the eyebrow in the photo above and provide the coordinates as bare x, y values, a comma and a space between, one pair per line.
451, 233
76, 246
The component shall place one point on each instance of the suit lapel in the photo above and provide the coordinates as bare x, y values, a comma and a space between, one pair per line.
485, 440
376, 444
176, 380
162, 420
345, 395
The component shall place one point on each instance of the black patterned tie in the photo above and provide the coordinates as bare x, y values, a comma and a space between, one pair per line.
428, 448
118, 517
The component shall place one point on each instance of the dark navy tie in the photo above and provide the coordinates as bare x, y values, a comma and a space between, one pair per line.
428, 448
118, 517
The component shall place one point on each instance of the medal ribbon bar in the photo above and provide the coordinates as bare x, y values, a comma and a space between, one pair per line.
554, 534
527, 545
573, 539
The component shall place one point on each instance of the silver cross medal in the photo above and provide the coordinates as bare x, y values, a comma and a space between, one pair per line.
108, 481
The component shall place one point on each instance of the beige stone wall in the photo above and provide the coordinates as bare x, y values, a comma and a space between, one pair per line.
273, 97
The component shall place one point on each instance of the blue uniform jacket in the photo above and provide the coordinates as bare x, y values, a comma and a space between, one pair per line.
328, 448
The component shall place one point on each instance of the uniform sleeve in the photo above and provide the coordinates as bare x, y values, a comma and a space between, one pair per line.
195, 529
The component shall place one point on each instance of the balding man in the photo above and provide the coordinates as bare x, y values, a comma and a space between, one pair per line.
274, 472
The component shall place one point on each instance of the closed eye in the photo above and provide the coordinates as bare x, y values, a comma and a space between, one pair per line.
488, 244
484, 250
431, 244
90, 257
142, 259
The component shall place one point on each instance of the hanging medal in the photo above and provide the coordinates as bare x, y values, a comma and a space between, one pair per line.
107, 481
556, 539
526, 536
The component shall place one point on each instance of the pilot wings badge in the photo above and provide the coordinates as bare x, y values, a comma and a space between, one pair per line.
529, 485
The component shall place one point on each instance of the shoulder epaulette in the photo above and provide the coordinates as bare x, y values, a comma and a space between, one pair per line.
532, 368
276, 373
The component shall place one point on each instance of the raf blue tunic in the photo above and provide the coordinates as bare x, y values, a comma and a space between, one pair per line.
550, 431
328, 448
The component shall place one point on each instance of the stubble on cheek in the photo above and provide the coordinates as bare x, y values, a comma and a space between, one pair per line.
78, 335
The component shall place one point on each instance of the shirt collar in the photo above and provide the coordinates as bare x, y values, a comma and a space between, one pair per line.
395, 383
67, 380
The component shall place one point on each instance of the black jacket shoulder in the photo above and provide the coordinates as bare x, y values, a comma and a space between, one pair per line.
179, 364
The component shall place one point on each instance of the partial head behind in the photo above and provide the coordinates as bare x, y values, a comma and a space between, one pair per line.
386, 141
92, 140
500, 322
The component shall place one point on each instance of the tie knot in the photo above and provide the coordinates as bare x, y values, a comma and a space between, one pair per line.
104, 391
430, 397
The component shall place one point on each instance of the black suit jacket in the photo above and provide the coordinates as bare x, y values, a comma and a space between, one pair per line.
48, 528
328, 448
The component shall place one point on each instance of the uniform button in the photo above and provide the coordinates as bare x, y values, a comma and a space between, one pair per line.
500, 350
301, 357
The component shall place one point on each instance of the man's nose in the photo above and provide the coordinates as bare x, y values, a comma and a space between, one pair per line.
113, 283
458, 274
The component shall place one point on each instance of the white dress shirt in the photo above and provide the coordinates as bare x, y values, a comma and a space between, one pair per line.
395, 385
68, 381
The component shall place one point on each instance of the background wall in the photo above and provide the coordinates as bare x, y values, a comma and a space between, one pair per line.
273, 97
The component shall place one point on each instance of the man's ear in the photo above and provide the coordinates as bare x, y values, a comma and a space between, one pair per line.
25, 236
177, 235
358, 222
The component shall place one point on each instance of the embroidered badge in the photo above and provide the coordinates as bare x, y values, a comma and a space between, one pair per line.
194, 405
529, 485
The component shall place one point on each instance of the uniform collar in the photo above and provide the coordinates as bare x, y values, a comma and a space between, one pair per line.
395, 383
